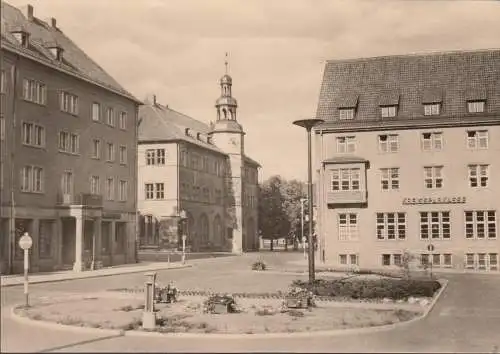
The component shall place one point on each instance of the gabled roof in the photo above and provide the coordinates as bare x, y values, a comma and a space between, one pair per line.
408, 80
251, 161
160, 123
75, 61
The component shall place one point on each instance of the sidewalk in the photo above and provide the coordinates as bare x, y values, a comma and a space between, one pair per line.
13, 280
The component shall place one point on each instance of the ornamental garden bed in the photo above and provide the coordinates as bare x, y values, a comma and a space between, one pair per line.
189, 314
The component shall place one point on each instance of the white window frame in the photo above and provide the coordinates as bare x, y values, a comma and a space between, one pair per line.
478, 175
123, 155
96, 149
110, 153
389, 111
389, 145
2, 128
432, 109
389, 178
3, 82
476, 106
123, 120
68, 102
428, 220
395, 221
348, 226
123, 191
33, 135
432, 141
161, 157
346, 144
95, 185
69, 142
345, 179
477, 139
480, 225
110, 116
150, 157
34, 91
149, 191
433, 177
32, 179
96, 111
67, 182
346, 113
159, 191
110, 188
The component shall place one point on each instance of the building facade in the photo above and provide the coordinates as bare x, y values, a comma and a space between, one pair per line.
407, 161
68, 139
186, 166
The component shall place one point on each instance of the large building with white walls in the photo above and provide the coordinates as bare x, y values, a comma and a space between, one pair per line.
201, 170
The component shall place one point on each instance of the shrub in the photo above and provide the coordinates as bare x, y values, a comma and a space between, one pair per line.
259, 265
225, 300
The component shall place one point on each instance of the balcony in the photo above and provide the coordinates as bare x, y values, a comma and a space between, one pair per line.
346, 197
85, 199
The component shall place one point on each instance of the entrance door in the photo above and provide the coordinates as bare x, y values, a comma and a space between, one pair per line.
68, 241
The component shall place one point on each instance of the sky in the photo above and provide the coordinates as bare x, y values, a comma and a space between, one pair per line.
277, 49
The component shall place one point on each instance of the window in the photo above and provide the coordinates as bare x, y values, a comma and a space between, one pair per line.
348, 259
478, 175
110, 117
435, 225
348, 226
95, 185
123, 120
110, 188
386, 259
33, 135
110, 152
123, 191
96, 149
69, 103
343, 259
32, 179
436, 260
2, 128
433, 177
155, 157
123, 155
155, 190
391, 226
67, 182
432, 109
481, 261
160, 191
447, 260
34, 91
480, 224
493, 261
388, 143
149, 190
96, 112
345, 179
45, 233
475, 106
2, 81
397, 259
353, 259
388, 111
346, 113
477, 139
424, 259
389, 178
346, 144
469, 260
432, 141
69, 142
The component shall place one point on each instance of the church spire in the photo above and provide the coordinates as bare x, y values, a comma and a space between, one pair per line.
226, 105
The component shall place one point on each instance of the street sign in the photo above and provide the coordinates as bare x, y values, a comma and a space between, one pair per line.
430, 248
25, 242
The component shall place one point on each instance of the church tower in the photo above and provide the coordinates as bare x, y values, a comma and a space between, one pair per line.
228, 135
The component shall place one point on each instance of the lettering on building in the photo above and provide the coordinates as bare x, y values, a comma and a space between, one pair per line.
434, 200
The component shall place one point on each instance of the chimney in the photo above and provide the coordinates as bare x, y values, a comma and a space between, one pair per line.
28, 12
150, 99
53, 22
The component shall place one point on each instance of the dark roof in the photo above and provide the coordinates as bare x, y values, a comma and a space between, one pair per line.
251, 161
344, 159
43, 35
451, 78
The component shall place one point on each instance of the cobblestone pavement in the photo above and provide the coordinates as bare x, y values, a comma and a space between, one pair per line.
466, 319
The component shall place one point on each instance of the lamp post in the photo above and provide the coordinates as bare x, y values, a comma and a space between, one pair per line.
308, 124
183, 217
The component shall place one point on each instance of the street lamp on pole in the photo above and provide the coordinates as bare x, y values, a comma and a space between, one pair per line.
308, 124
183, 218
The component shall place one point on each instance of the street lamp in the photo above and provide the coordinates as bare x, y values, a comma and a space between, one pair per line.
183, 217
302, 237
309, 124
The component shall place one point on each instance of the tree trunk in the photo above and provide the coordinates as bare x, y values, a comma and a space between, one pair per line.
272, 244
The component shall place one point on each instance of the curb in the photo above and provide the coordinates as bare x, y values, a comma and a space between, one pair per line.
135, 333
91, 275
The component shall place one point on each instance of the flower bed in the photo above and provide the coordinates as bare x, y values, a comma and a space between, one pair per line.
388, 288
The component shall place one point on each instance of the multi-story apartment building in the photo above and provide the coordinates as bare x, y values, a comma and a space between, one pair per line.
68, 140
199, 170
408, 159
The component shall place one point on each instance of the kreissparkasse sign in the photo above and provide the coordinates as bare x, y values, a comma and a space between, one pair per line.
433, 200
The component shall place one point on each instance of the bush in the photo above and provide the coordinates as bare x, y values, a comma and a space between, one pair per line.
372, 289
259, 265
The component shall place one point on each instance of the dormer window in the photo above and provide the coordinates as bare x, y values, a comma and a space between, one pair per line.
346, 113
209, 140
22, 37
57, 52
388, 111
186, 131
475, 106
198, 136
432, 109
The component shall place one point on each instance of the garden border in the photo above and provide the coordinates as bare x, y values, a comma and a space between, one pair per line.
136, 333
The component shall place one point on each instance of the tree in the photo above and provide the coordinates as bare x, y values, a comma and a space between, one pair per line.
293, 191
272, 218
